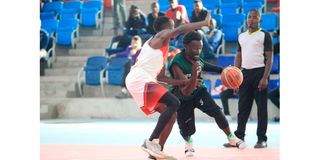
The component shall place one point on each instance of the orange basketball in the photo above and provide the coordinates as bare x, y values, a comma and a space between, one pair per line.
231, 77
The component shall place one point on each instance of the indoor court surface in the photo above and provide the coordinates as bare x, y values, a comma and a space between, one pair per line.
121, 140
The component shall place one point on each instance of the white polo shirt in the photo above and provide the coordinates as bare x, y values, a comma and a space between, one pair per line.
252, 47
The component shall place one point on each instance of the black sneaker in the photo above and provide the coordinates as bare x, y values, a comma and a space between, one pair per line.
261, 144
151, 158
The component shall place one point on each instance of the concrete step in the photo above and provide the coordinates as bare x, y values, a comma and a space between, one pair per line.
61, 79
86, 51
72, 64
95, 45
103, 39
71, 58
124, 109
62, 71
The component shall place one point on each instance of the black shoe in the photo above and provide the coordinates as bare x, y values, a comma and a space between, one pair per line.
151, 158
276, 119
228, 145
261, 144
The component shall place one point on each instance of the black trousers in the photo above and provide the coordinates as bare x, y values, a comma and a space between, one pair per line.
248, 92
225, 96
127, 67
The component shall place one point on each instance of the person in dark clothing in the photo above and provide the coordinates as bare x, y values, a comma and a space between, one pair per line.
254, 57
152, 16
189, 65
274, 96
136, 23
132, 52
199, 13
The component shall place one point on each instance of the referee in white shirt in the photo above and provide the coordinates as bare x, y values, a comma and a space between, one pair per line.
254, 57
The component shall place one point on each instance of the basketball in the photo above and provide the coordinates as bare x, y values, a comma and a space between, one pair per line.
231, 77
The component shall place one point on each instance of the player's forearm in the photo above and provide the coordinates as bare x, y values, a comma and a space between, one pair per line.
188, 89
190, 27
212, 68
173, 82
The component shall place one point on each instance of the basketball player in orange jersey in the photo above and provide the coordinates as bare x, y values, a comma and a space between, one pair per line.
189, 65
143, 82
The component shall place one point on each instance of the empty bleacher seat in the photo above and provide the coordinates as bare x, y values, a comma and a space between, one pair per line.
47, 15
247, 6
275, 69
77, 5
52, 6
94, 70
269, 22
66, 13
273, 83
50, 25
224, 61
229, 8
232, 26
116, 70
218, 18
91, 17
68, 32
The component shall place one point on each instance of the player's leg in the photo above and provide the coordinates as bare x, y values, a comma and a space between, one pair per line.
207, 105
167, 130
186, 123
152, 145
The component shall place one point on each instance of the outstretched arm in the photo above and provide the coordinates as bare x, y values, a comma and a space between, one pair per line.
165, 35
175, 82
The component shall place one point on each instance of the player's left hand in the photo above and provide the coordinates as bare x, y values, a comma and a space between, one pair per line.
263, 84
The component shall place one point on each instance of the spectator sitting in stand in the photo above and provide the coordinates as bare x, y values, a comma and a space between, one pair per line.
132, 53
177, 13
152, 16
136, 23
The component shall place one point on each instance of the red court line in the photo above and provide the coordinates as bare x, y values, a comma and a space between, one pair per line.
113, 152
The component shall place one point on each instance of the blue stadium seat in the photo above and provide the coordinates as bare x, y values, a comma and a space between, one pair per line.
207, 83
247, 6
94, 70
47, 15
275, 69
239, 3
269, 22
212, 5
273, 83
68, 13
229, 8
218, 18
116, 70
49, 42
232, 26
68, 32
90, 17
224, 61
77, 5
50, 25
52, 6
93, 4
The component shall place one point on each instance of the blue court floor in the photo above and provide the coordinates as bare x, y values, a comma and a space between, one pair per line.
118, 132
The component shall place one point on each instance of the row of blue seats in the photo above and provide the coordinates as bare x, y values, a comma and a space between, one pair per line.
99, 70
233, 24
66, 31
89, 13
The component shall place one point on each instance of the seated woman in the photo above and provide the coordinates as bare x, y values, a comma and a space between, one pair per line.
136, 23
132, 53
